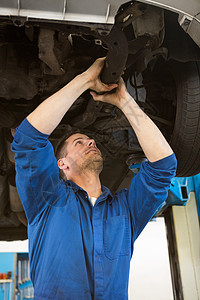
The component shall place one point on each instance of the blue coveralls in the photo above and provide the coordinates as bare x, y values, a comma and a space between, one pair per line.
77, 250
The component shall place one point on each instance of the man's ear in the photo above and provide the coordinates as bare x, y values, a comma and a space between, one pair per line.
63, 164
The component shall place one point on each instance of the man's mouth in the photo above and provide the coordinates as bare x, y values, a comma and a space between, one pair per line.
93, 150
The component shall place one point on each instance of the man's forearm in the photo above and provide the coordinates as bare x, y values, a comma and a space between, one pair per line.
149, 136
50, 112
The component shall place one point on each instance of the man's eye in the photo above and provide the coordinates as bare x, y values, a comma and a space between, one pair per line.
78, 142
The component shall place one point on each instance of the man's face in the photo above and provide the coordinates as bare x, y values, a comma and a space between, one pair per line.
83, 154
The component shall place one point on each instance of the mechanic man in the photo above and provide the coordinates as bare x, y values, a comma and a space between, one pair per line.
80, 235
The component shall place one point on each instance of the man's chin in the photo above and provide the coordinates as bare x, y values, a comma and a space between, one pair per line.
94, 163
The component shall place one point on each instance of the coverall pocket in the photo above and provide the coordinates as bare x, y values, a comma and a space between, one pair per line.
117, 237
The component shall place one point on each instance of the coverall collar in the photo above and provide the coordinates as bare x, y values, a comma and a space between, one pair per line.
106, 193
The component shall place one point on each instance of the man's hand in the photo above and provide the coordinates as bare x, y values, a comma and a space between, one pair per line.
118, 98
93, 77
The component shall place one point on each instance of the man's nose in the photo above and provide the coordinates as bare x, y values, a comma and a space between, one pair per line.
91, 143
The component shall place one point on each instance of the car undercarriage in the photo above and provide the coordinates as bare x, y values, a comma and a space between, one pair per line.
146, 45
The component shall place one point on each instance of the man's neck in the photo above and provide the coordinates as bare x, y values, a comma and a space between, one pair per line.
90, 182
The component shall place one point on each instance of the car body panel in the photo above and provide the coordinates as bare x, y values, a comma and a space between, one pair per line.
101, 12
87, 10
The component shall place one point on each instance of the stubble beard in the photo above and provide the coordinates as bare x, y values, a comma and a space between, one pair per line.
94, 163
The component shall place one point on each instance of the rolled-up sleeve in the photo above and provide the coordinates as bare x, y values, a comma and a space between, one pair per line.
37, 173
148, 190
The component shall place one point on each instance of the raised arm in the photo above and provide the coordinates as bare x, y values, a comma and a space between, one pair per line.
37, 173
46, 117
149, 136
149, 188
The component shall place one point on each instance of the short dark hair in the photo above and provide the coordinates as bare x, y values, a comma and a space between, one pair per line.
60, 149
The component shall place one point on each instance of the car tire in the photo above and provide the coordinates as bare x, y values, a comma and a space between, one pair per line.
185, 139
